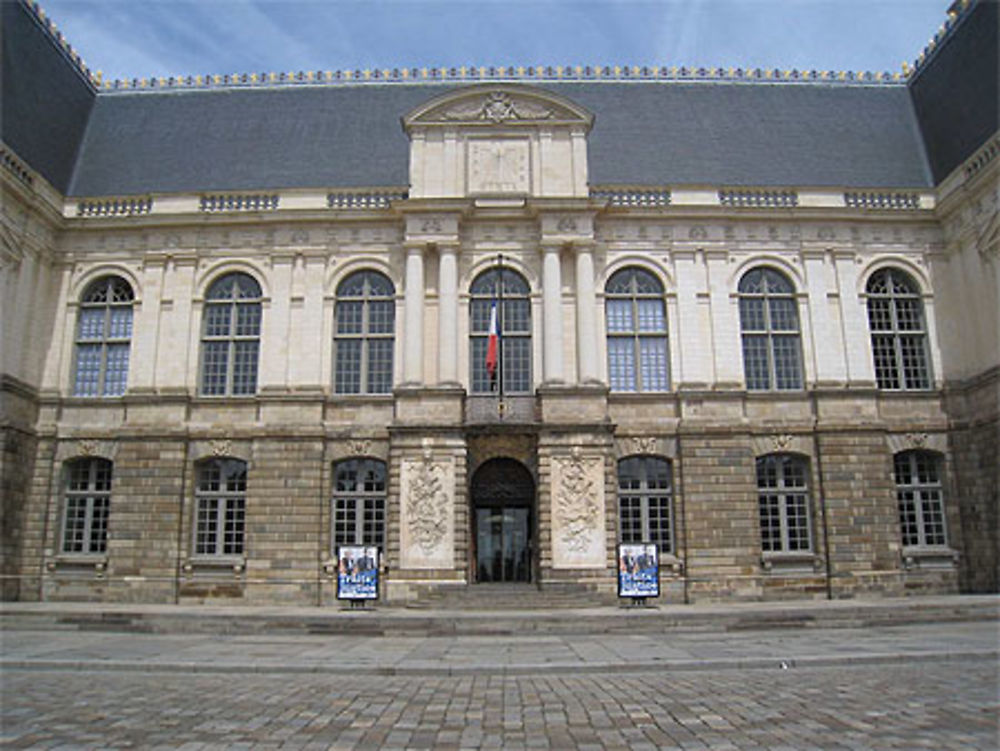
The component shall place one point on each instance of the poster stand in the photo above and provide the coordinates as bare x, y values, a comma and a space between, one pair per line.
358, 575
638, 573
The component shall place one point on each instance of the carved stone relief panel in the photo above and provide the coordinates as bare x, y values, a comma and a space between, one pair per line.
499, 165
578, 511
427, 513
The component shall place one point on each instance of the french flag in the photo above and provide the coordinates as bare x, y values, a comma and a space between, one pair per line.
491, 345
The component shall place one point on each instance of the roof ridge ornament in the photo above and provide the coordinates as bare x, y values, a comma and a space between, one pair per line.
498, 107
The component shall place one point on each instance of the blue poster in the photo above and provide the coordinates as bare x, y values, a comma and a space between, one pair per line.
638, 570
357, 572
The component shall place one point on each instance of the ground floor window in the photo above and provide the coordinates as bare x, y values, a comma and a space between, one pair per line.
220, 499
645, 501
918, 493
783, 496
359, 502
88, 501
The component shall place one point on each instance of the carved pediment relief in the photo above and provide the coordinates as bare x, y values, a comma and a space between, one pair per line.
498, 106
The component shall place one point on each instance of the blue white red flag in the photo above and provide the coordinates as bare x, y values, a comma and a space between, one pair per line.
491, 345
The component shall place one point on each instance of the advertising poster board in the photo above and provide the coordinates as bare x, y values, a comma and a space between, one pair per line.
357, 572
638, 570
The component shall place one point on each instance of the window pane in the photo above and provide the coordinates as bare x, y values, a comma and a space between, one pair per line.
752, 314
516, 365
207, 532
116, 369
619, 315
621, 364
121, 323
344, 522
908, 517
74, 525
381, 316
215, 366
217, 319
908, 315
652, 317
245, 367
796, 511
99, 524
88, 369
380, 366
91, 323
630, 511
348, 367
480, 378
755, 363
350, 317
784, 315
235, 518
787, 368
770, 522
915, 372
653, 363
884, 352
248, 320
516, 317
480, 313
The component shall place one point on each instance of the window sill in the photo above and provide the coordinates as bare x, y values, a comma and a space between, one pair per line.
214, 566
941, 557
79, 564
804, 561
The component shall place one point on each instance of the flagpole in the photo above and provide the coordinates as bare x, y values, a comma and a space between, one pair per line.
500, 404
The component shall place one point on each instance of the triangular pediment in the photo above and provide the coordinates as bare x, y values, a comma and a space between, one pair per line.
498, 106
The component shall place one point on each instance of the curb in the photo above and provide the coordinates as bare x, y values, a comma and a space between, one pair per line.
517, 670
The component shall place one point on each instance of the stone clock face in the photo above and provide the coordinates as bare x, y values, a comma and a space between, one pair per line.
498, 166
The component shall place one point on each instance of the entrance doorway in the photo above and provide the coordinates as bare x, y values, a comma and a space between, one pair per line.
503, 498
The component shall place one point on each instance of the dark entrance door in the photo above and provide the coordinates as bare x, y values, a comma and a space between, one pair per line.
503, 495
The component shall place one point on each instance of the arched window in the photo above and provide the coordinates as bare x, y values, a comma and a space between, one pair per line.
87, 504
220, 503
638, 357
769, 323
231, 336
513, 321
918, 492
103, 334
899, 335
365, 322
645, 501
359, 502
783, 495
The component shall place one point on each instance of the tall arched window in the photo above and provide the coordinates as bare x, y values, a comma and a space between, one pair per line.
513, 320
899, 334
231, 336
918, 492
87, 504
359, 502
769, 323
103, 334
220, 507
645, 501
783, 497
365, 323
636, 315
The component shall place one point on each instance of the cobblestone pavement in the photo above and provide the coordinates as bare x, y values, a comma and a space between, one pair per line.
945, 705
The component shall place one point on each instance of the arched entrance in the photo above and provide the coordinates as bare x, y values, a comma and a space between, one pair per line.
503, 502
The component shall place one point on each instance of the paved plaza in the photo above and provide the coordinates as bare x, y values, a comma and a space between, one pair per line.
931, 686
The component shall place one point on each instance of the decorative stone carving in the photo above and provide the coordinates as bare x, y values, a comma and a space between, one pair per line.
641, 444
916, 440
781, 442
498, 166
221, 447
359, 447
427, 513
566, 224
87, 447
578, 512
698, 233
497, 107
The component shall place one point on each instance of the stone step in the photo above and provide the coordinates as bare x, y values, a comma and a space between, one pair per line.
511, 597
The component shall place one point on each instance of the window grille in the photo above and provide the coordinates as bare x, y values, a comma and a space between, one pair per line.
898, 331
364, 334
87, 504
636, 318
514, 326
921, 504
103, 337
359, 502
769, 322
220, 502
231, 337
645, 501
783, 495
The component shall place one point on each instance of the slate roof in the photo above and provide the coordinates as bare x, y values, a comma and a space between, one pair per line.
349, 136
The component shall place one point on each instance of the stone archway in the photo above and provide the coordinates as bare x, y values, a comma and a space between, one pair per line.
502, 494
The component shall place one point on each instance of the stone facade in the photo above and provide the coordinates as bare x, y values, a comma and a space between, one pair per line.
499, 178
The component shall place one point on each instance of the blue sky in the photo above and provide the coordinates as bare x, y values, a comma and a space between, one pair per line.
153, 38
